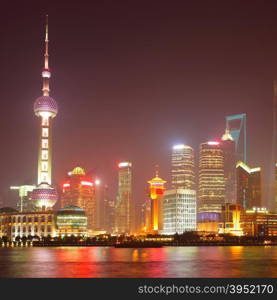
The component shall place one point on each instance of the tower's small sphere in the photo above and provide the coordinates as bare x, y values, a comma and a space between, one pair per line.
44, 196
45, 104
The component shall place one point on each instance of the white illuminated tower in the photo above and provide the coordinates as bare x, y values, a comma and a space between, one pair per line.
45, 107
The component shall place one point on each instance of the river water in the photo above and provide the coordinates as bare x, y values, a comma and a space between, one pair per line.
233, 261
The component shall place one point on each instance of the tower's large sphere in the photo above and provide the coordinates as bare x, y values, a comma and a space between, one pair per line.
44, 196
45, 104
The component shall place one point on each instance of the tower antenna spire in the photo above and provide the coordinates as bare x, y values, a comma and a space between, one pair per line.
46, 73
46, 55
157, 170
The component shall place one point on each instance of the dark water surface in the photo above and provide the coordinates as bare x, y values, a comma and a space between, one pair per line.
233, 261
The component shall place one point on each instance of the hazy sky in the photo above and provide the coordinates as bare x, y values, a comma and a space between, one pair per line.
133, 78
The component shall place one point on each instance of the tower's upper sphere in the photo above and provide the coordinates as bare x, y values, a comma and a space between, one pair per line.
44, 196
45, 104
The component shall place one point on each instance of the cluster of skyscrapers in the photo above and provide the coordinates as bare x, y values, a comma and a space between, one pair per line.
197, 194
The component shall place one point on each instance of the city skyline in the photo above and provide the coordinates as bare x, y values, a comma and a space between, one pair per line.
126, 142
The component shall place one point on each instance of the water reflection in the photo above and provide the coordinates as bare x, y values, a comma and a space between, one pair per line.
235, 261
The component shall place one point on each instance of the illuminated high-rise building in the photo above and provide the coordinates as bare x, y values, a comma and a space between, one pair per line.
78, 190
45, 107
146, 216
249, 186
229, 153
124, 216
109, 215
211, 177
236, 126
179, 211
102, 203
182, 167
156, 191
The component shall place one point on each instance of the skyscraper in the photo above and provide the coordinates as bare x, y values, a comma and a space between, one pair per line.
229, 153
146, 216
179, 211
78, 190
182, 167
45, 107
156, 191
211, 177
109, 215
102, 200
249, 186
236, 125
124, 207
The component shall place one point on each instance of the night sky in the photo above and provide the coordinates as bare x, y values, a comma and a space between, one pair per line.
133, 78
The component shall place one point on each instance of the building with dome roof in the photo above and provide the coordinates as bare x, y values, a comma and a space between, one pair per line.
79, 190
44, 196
71, 220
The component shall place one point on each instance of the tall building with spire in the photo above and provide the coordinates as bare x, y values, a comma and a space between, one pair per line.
45, 108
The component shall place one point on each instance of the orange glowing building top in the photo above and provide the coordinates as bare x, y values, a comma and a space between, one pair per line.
156, 186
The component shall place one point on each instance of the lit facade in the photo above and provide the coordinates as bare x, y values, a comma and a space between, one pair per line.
182, 167
230, 219
124, 216
179, 211
146, 216
71, 220
109, 215
156, 192
78, 190
229, 153
102, 201
45, 108
19, 224
259, 222
211, 191
249, 186
208, 221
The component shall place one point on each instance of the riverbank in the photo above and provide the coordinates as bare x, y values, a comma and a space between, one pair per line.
135, 245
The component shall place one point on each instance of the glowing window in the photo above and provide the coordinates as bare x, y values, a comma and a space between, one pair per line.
44, 177
44, 154
44, 143
45, 132
45, 122
44, 166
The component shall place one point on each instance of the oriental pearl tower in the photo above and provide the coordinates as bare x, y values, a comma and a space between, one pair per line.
44, 196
